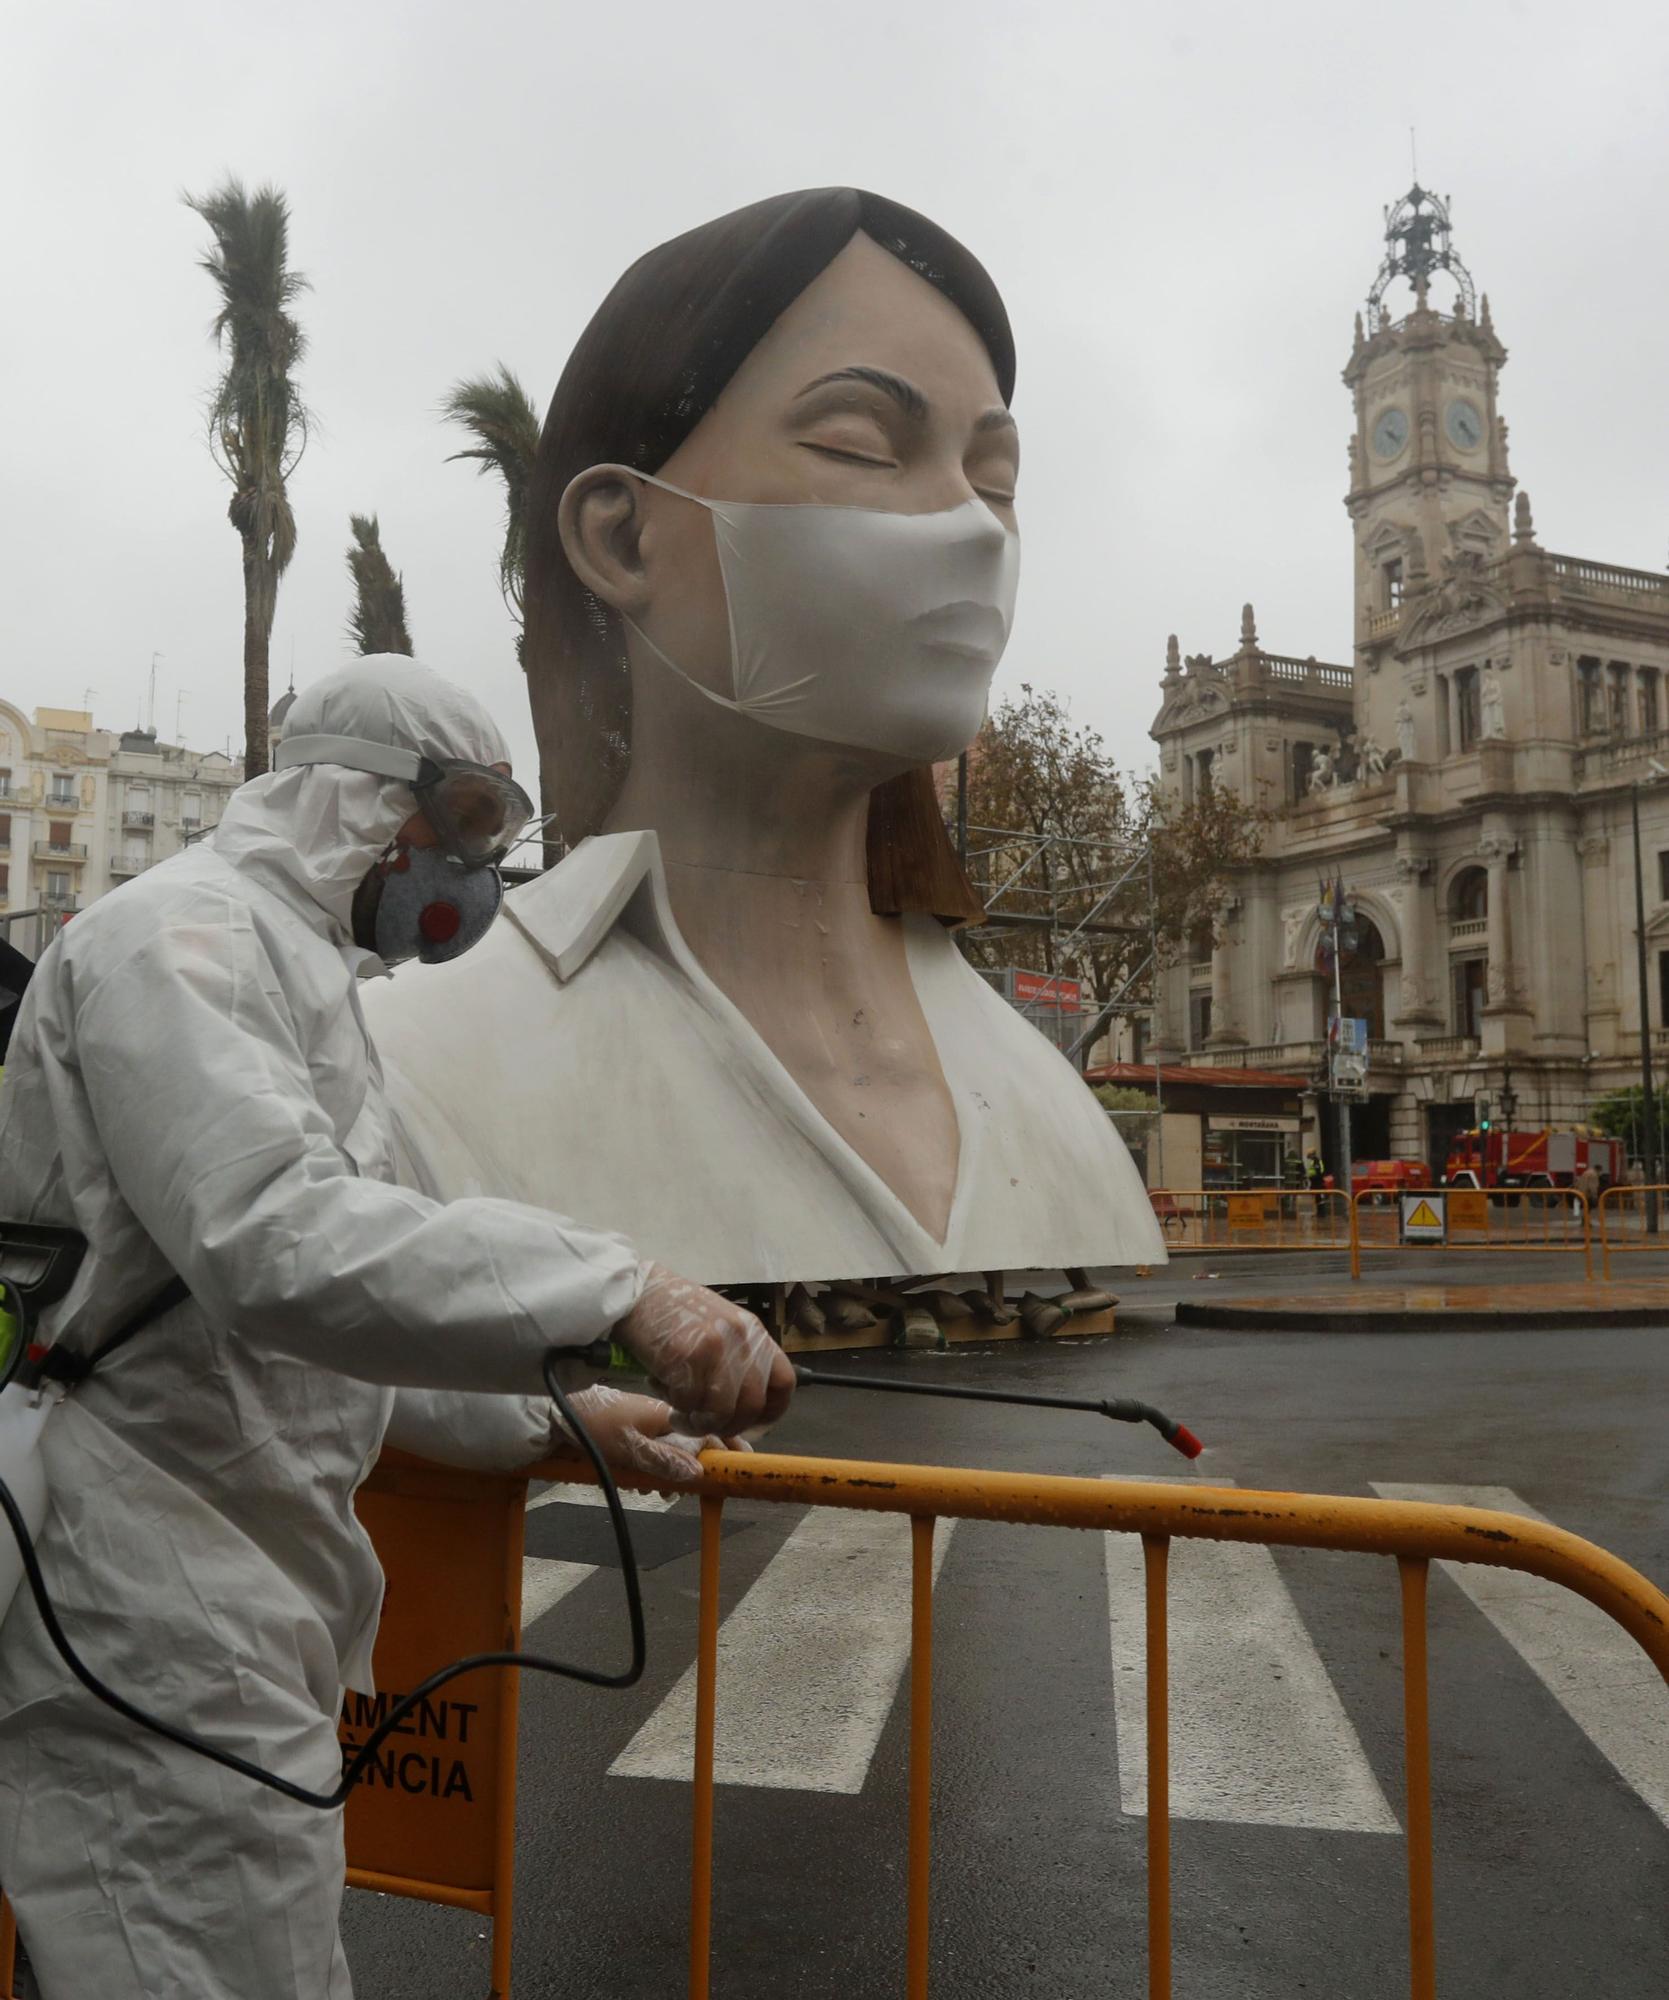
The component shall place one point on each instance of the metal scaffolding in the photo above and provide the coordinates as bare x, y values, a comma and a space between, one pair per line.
1024, 891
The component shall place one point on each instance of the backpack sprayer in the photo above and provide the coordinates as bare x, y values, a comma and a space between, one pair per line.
37, 1267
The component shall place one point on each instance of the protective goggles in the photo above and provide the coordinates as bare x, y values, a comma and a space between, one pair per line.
477, 813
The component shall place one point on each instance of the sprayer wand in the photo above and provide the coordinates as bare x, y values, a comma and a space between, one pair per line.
1122, 1409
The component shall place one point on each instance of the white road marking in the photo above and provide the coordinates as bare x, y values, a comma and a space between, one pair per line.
1586, 1661
809, 1663
1259, 1736
545, 1582
579, 1494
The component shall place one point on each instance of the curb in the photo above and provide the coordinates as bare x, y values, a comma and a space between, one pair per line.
1255, 1316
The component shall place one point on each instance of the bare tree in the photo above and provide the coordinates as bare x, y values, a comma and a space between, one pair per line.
1057, 827
257, 422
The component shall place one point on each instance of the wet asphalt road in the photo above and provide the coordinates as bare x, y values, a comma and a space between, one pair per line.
1553, 1875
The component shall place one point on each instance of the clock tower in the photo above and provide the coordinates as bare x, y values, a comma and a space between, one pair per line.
1429, 483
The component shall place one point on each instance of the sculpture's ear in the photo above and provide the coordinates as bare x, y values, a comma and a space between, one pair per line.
600, 521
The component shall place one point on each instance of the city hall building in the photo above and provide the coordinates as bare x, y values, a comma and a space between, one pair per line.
1470, 773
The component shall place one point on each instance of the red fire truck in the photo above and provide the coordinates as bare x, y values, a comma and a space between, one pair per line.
1552, 1157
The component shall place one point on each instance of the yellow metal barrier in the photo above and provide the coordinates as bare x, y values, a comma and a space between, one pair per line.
1252, 1218
1416, 1533
434, 1526
1621, 1207
1550, 1221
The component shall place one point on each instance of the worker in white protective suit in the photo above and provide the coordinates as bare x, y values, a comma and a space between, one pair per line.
191, 1087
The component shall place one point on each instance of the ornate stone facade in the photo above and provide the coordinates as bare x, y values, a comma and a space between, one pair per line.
1470, 776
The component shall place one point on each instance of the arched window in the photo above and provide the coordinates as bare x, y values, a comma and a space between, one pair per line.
1469, 898
1361, 980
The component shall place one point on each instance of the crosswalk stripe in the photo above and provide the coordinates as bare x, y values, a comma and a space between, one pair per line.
579, 1494
546, 1580
1259, 1736
1586, 1661
809, 1663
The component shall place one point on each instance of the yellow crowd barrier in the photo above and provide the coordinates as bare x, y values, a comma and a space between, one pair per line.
1252, 1218
450, 1541
1623, 1214
1549, 1221
1415, 1533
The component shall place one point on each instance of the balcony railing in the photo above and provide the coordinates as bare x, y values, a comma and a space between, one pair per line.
1318, 673
1578, 574
1613, 759
1295, 1058
53, 901
1448, 1048
1463, 930
59, 850
1381, 622
128, 864
132, 818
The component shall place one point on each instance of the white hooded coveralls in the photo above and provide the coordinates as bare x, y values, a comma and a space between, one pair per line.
192, 1087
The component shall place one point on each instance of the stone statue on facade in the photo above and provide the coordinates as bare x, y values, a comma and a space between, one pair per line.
1323, 776
1370, 759
1405, 732
1493, 706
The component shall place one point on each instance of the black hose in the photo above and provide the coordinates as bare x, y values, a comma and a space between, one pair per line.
352, 1771
1122, 1409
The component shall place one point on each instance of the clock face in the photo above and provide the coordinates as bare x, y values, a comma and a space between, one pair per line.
1465, 426
1390, 434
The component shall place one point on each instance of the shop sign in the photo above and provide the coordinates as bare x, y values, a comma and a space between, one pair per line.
1030, 987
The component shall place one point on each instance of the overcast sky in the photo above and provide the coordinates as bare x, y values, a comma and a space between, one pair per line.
1181, 205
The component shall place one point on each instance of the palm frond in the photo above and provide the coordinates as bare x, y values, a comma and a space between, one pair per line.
498, 414
377, 623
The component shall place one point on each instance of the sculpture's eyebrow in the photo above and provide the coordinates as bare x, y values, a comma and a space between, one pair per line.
905, 394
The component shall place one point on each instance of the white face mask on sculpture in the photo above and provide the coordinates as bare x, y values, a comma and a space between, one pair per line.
857, 626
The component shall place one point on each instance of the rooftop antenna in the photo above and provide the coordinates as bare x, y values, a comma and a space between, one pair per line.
179, 700
150, 717
87, 697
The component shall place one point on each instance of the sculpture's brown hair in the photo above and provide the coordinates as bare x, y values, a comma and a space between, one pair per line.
652, 362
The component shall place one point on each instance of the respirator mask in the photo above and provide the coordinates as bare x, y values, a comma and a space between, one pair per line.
430, 903
856, 626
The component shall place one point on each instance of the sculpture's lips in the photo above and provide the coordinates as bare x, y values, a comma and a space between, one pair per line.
965, 631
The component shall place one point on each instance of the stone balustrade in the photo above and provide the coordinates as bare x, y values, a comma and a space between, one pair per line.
1576, 573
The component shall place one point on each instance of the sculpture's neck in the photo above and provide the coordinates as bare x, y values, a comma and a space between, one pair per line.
731, 796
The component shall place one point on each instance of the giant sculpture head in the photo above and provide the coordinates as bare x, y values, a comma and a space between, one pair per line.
779, 469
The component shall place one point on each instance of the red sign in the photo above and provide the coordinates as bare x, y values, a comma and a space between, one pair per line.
1067, 994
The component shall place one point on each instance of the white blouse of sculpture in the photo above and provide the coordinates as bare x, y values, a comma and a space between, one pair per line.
580, 1059
1405, 732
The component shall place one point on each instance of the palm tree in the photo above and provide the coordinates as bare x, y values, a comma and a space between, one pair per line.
498, 414
257, 423
377, 623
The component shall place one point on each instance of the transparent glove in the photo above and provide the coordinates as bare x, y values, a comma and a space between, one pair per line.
635, 1435
715, 1363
